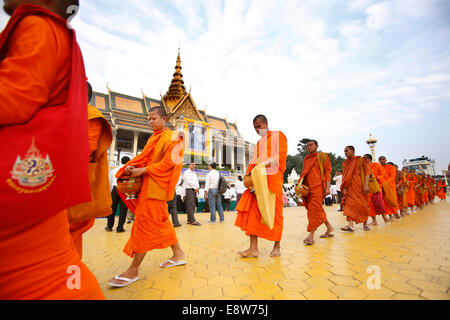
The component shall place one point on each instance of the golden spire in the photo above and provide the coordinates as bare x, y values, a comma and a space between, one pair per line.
176, 90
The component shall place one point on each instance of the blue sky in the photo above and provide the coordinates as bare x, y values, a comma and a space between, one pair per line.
331, 70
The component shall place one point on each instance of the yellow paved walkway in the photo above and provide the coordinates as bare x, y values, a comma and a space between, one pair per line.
412, 256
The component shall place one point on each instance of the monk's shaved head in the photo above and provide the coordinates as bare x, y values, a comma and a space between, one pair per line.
159, 110
261, 118
261, 125
60, 7
89, 91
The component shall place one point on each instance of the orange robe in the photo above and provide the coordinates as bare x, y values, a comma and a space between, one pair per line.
272, 145
378, 172
316, 184
390, 175
420, 190
401, 197
411, 193
432, 193
152, 228
355, 203
440, 190
38, 257
77, 230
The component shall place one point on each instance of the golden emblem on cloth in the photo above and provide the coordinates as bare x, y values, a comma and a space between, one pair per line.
33, 173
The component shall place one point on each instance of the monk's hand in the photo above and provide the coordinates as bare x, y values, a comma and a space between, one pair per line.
128, 170
137, 172
270, 163
344, 191
366, 189
327, 191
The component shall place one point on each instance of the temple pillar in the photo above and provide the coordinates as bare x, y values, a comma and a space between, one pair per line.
135, 143
233, 167
112, 149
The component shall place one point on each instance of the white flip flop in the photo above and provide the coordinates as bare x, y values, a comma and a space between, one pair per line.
173, 263
121, 285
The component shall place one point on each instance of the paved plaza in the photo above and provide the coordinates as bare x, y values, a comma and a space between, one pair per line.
408, 259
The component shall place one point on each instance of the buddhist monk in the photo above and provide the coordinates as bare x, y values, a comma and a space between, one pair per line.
425, 184
389, 188
316, 175
375, 200
411, 193
420, 191
402, 189
432, 188
42, 91
271, 152
159, 165
100, 138
441, 190
355, 188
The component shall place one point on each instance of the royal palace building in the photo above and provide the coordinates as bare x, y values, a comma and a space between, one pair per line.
207, 138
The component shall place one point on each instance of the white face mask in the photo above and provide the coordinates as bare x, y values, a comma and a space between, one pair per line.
262, 132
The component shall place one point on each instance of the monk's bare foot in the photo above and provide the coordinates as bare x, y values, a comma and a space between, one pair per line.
249, 253
276, 252
129, 274
373, 223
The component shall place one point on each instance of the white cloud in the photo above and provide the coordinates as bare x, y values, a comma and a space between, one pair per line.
314, 72
384, 14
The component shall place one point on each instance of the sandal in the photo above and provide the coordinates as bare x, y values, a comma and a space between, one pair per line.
121, 285
308, 242
347, 228
327, 235
173, 263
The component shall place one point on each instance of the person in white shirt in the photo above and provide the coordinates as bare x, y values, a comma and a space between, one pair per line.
116, 200
233, 193
338, 179
191, 187
201, 193
212, 193
227, 199
333, 190
173, 206
240, 189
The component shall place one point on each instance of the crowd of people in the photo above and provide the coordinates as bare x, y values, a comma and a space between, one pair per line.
54, 173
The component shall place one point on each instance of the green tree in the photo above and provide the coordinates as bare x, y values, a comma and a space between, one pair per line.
292, 162
336, 163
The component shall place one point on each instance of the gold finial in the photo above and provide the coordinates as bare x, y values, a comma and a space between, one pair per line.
371, 140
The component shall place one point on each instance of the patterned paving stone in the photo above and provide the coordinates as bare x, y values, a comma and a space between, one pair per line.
412, 256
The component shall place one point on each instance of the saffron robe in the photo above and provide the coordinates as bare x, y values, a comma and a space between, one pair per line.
316, 182
273, 145
39, 260
378, 172
441, 191
411, 193
100, 138
162, 158
390, 176
355, 202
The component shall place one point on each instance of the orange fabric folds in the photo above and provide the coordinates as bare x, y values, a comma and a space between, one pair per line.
163, 158
100, 206
273, 145
316, 172
39, 262
355, 202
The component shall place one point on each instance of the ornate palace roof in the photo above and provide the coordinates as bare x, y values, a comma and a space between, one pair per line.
130, 113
